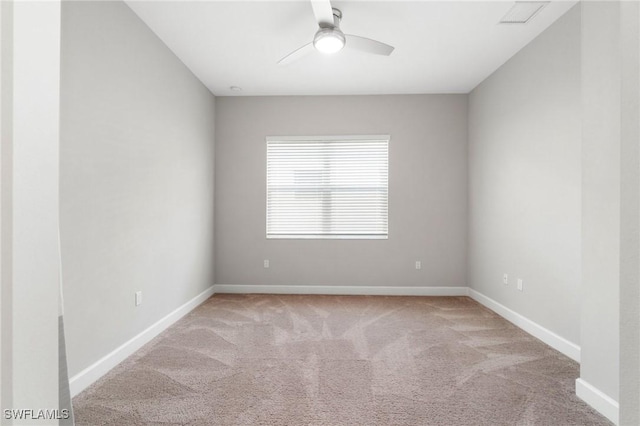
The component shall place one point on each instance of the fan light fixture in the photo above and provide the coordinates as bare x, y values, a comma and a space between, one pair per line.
329, 40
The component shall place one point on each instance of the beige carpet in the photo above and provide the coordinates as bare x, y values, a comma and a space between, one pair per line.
339, 360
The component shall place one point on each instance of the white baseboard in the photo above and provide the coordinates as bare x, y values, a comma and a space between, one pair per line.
603, 403
342, 290
591, 395
86, 377
559, 343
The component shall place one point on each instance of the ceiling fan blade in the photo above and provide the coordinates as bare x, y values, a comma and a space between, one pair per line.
297, 54
367, 45
323, 12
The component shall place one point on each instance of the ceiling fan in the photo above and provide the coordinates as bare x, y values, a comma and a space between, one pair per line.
330, 39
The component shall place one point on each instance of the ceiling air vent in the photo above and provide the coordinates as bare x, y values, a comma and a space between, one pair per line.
522, 12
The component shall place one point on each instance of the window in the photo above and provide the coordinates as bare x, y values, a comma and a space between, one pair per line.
327, 187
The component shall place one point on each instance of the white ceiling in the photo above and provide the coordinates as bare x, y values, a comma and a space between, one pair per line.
440, 46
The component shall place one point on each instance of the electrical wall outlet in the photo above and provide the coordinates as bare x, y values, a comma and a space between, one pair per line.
520, 284
505, 279
418, 264
138, 298
266, 263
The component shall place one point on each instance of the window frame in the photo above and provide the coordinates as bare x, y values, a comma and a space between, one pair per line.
327, 138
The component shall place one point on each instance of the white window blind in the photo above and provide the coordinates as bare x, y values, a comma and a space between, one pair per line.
327, 187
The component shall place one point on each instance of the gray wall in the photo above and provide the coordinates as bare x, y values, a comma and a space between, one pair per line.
136, 162
630, 215
427, 191
601, 162
524, 181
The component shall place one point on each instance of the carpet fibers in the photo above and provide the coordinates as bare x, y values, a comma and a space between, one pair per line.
339, 360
